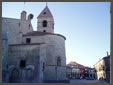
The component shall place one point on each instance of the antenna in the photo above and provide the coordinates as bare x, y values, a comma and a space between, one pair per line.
46, 2
107, 53
24, 5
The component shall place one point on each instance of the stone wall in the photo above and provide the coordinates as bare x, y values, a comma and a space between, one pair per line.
50, 24
55, 72
33, 55
4, 49
55, 47
15, 28
18, 52
4, 56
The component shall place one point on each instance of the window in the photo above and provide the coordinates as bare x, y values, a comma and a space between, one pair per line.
29, 26
19, 24
22, 63
28, 40
53, 26
44, 12
44, 23
58, 61
44, 30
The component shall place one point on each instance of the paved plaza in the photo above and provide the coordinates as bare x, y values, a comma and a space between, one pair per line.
85, 81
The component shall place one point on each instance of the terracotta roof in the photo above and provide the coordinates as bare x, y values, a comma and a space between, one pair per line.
37, 33
45, 13
74, 64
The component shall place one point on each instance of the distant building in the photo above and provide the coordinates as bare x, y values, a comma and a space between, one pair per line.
88, 72
103, 68
78, 71
73, 70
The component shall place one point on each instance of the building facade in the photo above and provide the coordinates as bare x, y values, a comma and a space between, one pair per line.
78, 71
103, 68
34, 56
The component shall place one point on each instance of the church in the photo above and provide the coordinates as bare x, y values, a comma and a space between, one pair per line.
32, 56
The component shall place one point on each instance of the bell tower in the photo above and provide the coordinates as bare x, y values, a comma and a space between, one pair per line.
45, 21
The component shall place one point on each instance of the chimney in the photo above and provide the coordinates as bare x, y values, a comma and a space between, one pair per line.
30, 16
23, 15
107, 53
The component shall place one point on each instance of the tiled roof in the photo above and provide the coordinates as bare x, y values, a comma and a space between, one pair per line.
34, 33
25, 44
75, 65
45, 13
37, 33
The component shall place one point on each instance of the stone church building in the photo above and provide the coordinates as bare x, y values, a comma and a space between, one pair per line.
33, 56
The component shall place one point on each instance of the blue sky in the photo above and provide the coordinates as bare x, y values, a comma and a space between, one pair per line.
86, 26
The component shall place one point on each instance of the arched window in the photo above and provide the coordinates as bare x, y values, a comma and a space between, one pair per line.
22, 63
44, 23
58, 61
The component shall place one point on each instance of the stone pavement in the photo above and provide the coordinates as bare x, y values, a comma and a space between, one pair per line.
85, 81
